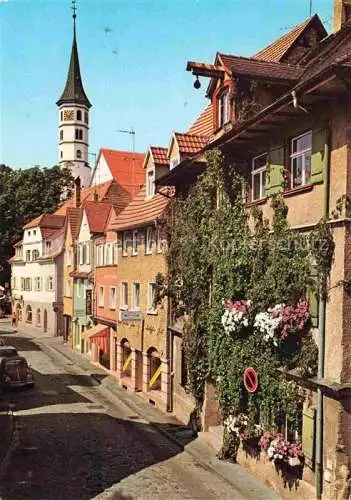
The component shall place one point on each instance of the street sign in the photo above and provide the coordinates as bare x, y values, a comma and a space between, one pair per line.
250, 380
130, 316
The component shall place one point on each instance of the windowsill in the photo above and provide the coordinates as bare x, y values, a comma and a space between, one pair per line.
123, 308
297, 190
136, 309
101, 307
260, 201
148, 253
135, 254
152, 312
112, 308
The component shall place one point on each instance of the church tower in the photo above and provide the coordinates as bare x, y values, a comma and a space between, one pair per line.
74, 119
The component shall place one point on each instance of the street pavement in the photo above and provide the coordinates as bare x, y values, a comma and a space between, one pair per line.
75, 439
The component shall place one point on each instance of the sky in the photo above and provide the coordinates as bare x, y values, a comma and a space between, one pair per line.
133, 57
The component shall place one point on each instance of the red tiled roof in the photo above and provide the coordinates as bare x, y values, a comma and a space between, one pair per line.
97, 215
140, 211
276, 50
203, 125
53, 221
73, 218
126, 168
159, 155
190, 143
86, 194
263, 69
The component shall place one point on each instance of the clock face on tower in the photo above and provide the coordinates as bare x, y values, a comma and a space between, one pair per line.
68, 114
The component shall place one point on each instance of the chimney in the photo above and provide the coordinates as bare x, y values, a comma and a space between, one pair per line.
77, 191
342, 13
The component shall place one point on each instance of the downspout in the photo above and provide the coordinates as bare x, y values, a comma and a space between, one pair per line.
169, 335
321, 346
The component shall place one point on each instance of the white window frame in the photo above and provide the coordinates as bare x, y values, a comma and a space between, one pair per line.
23, 284
47, 245
136, 303
151, 309
50, 284
124, 295
28, 255
108, 254
158, 241
37, 283
149, 243
113, 297
259, 172
303, 153
151, 182
87, 252
101, 296
125, 237
223, 102
79, 287
69, 257
135, 249
114, 253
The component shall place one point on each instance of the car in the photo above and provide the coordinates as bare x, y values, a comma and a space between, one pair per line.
14, 369
7, 351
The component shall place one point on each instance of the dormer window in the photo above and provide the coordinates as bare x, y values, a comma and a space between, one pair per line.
223, 108
174, 162
151, 183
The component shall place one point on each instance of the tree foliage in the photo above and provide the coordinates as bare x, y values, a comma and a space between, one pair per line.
25, 194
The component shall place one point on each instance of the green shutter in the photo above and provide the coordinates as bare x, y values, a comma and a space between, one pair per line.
308, 434
275, 178
319, 138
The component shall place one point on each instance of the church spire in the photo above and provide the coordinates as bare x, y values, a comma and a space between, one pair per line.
74, 92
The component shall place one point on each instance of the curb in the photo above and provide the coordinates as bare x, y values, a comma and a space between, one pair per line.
8, 442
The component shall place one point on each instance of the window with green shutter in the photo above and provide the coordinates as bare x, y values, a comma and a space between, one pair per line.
309, 435
275, 177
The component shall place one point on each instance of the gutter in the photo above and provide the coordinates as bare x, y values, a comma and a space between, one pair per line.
321, 346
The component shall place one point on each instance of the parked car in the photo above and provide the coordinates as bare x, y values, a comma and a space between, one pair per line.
7, 351
14, 369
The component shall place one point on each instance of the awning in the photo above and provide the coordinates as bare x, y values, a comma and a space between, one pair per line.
95, 330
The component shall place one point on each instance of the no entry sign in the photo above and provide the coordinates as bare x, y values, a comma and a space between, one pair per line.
250, 380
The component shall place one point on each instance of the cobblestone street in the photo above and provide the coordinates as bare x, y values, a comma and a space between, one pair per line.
72, 441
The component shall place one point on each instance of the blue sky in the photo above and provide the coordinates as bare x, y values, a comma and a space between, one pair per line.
133, 56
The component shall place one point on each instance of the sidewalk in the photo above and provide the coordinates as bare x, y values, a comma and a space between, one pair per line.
166, 424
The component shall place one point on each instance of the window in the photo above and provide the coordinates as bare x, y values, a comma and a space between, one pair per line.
112, 297
68, 288
34, 232
28, 284
124, 295
101, 296
87, 252
158, 241
61, 114
13, 282
135, 243
258, 181
86, 117
22, 284
151, 183
50, 283
80, 253
149, 240
48, 246
69, 258
79, 115
61, 154
114, 253
79, 134
27, 255
37, 283
223, 109
125, 238
28, 233
35, 254
174, 162
61, 135
136, 296
151, 298
108, 254
79, 154
300, 160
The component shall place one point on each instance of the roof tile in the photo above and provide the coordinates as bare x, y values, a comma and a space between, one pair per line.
203, 125
97, 215
159, 155
126, 168
140, 211
189, 143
